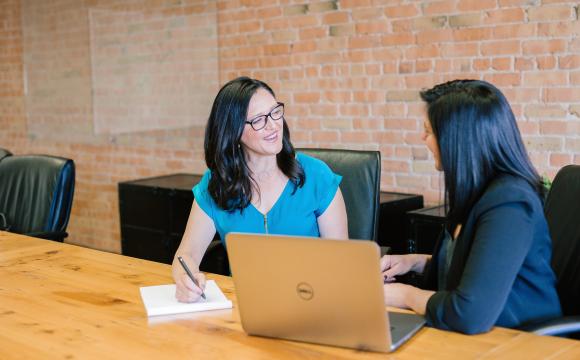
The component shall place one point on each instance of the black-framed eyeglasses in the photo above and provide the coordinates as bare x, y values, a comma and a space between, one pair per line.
259, 122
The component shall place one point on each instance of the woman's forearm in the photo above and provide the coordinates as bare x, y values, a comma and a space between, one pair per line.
417, 299
420, 262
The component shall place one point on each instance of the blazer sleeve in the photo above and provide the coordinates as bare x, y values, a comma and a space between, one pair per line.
502, 238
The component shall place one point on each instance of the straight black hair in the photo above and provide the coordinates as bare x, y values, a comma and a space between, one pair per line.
478, 140
230, 184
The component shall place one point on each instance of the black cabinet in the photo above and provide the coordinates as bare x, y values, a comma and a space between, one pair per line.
425, 226
154, 213
393, 219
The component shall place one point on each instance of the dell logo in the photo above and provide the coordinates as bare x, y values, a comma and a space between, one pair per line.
304, 291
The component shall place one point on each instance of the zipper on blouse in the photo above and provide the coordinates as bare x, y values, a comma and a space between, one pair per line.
266, 223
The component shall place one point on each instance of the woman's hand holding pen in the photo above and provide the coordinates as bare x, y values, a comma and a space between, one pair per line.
185, 288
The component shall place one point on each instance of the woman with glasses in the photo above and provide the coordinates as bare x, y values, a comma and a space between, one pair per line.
491, 267
255, 181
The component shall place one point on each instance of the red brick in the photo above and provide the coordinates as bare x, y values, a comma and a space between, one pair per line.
368, 96
365, 14
276, 49
510, 15
421, 81
354, 110
426, 23
546, 62
524, 64
355, 136
475, 34
312, 33
303, 21
465, 20
364, 41
388, 109
347, 4
420, 52
374, 27
337, 96
553, 127
504, 79
562, 95
324, 136
545, 78
401, 124
481, 64
307, 97
322, 6
460, 49
502, 64
367, 123
544, 111
569, 62
558, 29
514, 31
543, 46
250, 26
269, 12
476, 5
509, 47
423, 66
395, 166
409, 10
335, 18
304, 46
560, 160
543, 13
439, 7
397, 39
433, 36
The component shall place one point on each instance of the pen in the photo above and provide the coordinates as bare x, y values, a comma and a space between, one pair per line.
189, 274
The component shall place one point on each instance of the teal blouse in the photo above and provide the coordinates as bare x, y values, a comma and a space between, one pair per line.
294, 213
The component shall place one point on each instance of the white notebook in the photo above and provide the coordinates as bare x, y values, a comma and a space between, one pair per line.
160, 300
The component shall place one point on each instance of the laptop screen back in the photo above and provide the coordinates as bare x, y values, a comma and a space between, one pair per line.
310, 289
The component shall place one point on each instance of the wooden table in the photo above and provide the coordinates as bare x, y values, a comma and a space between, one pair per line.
68, 302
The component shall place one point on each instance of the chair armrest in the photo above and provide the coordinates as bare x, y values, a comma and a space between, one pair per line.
49, 235
555, 327
215, 259
385, 250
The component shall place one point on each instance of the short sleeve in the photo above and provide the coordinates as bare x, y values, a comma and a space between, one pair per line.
322, 179
202, 196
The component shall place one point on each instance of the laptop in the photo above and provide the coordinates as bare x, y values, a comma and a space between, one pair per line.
315, 290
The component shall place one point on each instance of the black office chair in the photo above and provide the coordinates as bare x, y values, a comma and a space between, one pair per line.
215, 260
562, 211
360, 186
36, 193
4, 153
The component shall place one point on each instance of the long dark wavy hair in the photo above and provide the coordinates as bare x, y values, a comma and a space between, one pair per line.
231, 181
478, 140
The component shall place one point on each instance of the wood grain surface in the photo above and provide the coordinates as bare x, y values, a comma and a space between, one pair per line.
68, 302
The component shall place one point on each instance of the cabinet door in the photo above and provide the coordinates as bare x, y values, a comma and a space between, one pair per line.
145, 221
145, 244
144, 207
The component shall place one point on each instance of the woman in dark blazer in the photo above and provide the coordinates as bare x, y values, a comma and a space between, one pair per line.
491, 265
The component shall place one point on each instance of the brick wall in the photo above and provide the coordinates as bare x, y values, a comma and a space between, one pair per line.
349, 71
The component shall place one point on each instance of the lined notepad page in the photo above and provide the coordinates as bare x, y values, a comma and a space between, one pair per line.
160, 300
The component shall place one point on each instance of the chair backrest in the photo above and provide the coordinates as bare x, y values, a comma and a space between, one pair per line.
360, 186
562, 211
36, 192
4, 153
